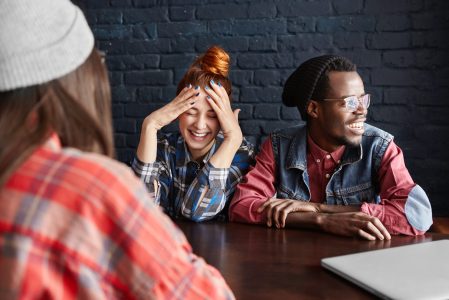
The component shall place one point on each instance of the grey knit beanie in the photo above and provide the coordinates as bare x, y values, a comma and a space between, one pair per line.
301, 84
41, 40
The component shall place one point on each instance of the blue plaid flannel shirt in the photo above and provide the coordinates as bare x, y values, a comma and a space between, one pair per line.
182, 181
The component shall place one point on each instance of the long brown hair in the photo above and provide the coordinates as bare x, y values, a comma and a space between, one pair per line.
212, 65
76, 107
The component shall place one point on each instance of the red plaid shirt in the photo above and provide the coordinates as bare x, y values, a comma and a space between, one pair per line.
75, 225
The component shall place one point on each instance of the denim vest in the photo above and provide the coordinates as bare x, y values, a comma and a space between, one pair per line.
354, 180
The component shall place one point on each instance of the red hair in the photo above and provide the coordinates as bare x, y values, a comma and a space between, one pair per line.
212, 65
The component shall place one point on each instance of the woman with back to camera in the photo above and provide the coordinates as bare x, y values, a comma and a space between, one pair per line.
74, 223
194, 172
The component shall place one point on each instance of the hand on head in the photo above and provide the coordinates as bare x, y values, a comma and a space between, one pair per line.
219, 101
168, 113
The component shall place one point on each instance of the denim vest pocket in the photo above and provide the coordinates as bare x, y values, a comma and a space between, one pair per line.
363, 192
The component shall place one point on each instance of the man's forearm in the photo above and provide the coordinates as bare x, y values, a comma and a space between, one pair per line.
332, 209
311, 220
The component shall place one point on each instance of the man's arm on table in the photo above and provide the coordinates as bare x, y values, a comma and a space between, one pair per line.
252, 202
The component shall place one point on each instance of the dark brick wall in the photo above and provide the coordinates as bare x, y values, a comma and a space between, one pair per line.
400, 46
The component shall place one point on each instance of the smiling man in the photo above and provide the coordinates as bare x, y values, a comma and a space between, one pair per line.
335, 172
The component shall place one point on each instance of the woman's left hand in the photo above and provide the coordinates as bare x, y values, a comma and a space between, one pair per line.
219, 101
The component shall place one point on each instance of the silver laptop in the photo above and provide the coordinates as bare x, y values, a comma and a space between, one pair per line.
418, 271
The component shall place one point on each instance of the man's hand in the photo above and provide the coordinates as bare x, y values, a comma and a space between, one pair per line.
354, 224
277, 210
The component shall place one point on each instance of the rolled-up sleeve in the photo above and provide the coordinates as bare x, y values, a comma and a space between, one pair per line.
255, 189
149, 174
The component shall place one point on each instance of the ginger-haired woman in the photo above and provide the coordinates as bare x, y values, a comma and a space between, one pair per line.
193, 173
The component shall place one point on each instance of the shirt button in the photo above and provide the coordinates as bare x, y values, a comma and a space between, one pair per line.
318, 160
327, 176
328, 156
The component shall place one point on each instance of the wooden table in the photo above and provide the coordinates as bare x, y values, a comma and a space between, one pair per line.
262, 263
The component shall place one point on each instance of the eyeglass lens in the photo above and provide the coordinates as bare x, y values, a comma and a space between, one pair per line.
353, 102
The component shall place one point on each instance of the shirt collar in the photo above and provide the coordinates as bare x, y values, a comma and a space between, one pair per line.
183, 156
53, 143
297, 153
321, 154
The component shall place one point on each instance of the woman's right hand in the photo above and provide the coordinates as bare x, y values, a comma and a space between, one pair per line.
169, 112
147, 148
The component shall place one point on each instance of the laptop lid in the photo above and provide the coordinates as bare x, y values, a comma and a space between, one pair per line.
418, 271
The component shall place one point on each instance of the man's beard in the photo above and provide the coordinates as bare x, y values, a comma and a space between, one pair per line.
345, 141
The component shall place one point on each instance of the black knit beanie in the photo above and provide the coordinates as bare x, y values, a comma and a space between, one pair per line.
301, 84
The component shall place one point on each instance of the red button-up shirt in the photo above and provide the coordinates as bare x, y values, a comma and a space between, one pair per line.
394, 179
77, 225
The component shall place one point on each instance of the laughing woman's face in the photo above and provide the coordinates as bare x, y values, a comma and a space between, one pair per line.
199, 126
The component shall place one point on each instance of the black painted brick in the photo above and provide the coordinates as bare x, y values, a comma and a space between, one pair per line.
149, 15
267, 111
115, 78
144, 32
303, 8
348, 6
140, 111
252, 61
109, 17
251, 127
221, 11
304, 41
263, 43
148, 77
345, 40
176, 61
182, 13
389, 40
267, 77
255, 27
246, 111
290, 113
230, 44
153, 46
125, 126
430, 20
149, 95
120, 3
241, 78
301, 24
262, 10
181, 29
388, 6
393, 23
144, 3
260, 94
400, 58
121, 94
220, 27
182, 44
112, 32
346, 23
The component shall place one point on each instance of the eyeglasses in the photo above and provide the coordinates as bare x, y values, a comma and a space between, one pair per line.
352, 102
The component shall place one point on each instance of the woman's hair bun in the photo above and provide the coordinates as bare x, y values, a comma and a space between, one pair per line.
215, 60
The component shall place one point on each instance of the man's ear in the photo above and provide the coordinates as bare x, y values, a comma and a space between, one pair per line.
312, 109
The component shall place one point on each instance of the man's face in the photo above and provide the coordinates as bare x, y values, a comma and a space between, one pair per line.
335, 125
